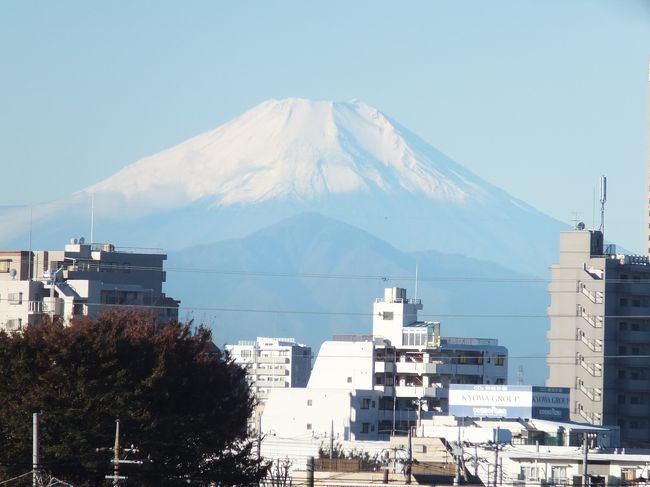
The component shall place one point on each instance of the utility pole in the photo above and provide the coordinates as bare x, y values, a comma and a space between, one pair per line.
36, 469
585, 448
331, 441
496, 458
116, 477
116, 454
410, 459
310, 472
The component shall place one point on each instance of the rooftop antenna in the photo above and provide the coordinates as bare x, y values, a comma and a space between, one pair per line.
92, 216
29, 264
603, 199
416, 282
520, 375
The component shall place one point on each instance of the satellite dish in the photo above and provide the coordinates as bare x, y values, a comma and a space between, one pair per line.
580, 226
82, 240
12, 273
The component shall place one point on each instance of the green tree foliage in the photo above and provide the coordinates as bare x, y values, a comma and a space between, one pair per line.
180, 400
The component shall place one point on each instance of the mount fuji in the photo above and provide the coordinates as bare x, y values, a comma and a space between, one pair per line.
344, 160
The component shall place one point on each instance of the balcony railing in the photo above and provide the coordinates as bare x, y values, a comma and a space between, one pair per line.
596, 370
595, 321
592, 393
594, 345
593, 418
594, 296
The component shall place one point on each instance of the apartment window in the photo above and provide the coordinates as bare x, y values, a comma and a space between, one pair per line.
365, 427
387, 315
309, 403
635, 350
635, 400
500, 360
365, 403
246, 353
5, 265
309, 426
636, 303
15, 298
500, 381
636, 327
624, 276
349, 380
379, 380
623, 301
622, 326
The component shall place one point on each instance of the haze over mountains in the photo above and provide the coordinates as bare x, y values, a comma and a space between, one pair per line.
306, 164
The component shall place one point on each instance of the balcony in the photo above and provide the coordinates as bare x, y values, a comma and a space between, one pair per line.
275, 372
593, 344
417, 391
416, 368
593, 393
271, 384
593, 418
596, 321
272, 360
385, 367
595, 297
596, 370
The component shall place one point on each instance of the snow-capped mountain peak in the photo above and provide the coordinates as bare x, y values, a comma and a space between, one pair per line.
295, 149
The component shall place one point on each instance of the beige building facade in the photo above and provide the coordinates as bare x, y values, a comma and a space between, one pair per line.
599, 334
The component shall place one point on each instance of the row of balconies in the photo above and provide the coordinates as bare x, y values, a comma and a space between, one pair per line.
412, 391
423, 368
263, 371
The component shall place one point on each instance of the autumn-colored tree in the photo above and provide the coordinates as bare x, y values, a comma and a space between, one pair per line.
180, 400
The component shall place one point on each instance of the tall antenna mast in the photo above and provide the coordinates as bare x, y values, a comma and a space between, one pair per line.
416, 282
603, 199
92, 216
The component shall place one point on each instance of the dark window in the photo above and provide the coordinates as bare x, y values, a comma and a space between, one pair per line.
349, 380
621, 399
623, 301
387, 315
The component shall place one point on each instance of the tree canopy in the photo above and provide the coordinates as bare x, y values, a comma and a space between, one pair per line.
180, 400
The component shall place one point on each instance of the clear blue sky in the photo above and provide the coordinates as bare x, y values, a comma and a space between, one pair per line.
538, 97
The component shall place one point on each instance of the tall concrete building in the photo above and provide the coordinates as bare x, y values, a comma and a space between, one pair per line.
80, 280
600, 334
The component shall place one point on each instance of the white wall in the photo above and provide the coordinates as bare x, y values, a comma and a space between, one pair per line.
343, 365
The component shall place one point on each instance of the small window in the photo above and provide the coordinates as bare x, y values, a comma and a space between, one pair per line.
623, 301
308, 426
365, 403
500, 360
5, 265
365, 427
309, 403
622, 326
349, 380
387, 315
635, 351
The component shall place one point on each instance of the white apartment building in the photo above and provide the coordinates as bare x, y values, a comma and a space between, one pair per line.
80, 280
272, 363
369, 387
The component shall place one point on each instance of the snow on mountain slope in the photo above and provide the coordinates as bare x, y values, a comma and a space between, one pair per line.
345, 160
297, 149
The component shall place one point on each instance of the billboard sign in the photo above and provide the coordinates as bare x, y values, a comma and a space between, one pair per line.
501, 401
